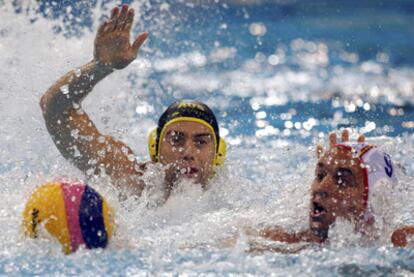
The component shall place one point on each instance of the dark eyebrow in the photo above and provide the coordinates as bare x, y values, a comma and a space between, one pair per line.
176, 133
320, 165
202, 135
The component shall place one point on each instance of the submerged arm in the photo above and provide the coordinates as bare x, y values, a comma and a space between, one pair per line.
279, 234
402, 236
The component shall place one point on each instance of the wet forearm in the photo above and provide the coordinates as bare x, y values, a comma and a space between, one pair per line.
278, 234
72, 88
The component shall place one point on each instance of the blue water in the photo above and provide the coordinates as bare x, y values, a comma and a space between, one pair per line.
209, 262
278, 74
378, 33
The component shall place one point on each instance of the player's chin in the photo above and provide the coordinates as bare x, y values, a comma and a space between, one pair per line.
193, 178
320, 230
319, 224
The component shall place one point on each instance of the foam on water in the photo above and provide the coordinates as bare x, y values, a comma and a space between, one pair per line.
267, 176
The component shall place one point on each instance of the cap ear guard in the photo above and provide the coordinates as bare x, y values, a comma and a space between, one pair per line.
152, 145
220, 156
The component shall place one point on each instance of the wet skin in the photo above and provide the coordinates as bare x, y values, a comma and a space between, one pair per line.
337, 190
187, 150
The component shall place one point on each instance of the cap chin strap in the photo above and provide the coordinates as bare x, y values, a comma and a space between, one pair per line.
154, 149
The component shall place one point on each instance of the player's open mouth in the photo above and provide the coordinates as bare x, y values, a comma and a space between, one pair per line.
188, 171
317, 210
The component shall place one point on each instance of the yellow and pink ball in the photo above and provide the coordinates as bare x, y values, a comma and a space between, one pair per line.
72, 212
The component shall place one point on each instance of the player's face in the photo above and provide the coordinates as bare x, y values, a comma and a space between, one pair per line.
338, 189
187, 149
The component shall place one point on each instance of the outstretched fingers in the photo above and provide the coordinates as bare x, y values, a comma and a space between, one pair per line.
114, 13
332, 140
319, 150
111, 22
345, 135
120, 22
128, 21
102, 28
108, 25
139, 41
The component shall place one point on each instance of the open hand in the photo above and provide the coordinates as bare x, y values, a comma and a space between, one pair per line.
333, 141
112, 42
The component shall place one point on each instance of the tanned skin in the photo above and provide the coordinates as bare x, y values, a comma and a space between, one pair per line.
187, 145
401, 236
336, 191
78, 139
188, 149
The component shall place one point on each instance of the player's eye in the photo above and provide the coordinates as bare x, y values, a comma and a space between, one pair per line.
345, 178
320, 175
202, 141
176, 139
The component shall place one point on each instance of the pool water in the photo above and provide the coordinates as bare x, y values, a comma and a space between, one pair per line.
278, 74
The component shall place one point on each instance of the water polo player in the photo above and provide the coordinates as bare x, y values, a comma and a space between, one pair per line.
352, 181
186, 141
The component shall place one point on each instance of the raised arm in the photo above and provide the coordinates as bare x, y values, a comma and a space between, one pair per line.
74, 134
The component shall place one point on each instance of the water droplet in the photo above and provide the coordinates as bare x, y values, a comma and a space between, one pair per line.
257, 29
78, 72
124, 150
131, 157
105, 120
74, 133
64, 89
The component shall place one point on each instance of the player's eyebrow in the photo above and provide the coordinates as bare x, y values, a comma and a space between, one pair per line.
202, 135
175, 133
